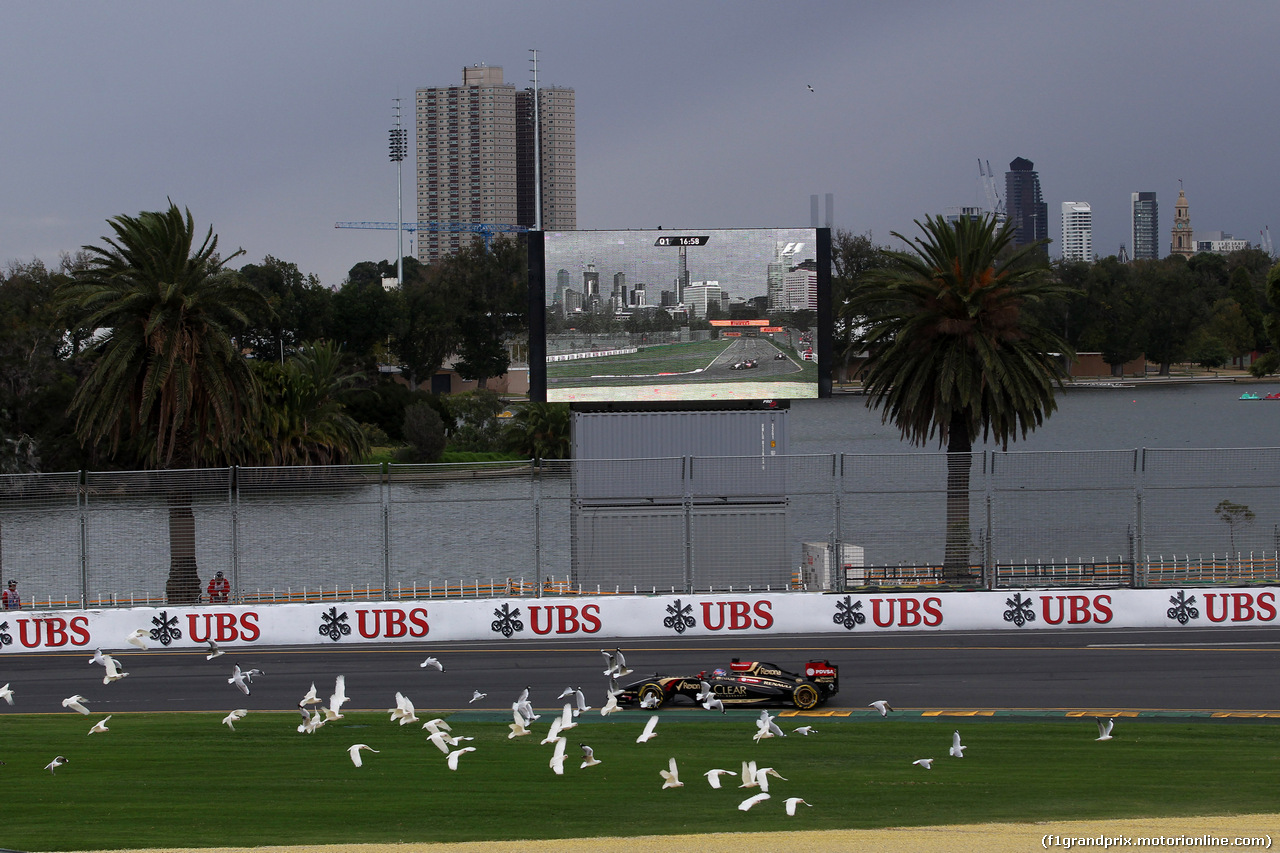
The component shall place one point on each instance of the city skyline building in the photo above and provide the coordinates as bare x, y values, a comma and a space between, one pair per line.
1077, 231
1144, 226
1024, 203
475, 159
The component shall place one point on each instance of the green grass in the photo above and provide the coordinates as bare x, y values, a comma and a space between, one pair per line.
648, 363
184, 780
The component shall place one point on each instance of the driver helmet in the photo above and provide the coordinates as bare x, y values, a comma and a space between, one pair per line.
720, 673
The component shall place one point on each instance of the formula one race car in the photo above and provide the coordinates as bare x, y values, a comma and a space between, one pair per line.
743, 683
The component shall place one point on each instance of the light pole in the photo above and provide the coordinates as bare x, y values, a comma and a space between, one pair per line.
537, 147
398, 147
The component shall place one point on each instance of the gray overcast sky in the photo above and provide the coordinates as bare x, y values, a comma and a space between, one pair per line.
269, 119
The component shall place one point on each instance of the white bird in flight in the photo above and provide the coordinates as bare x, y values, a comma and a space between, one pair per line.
588, 757
581, 702
354, 752
557, 758
611, 706
435, 724
1104, 728
214, 651
75, 703
649, 701
55, 764
520, 726
671, 778
433, 663
882, 706
649, 734
713, 776
957, 750
805, 730
113, 670
926, 763
567, 718
749, 775
234, 717
615, 663
553, 734
6, 693
136, 638
98, 657
403, 711
477, 696
240, 679
746, 804
568, 691
100, 726
792, 802
310, 698
713, 703
453, 757
337, 699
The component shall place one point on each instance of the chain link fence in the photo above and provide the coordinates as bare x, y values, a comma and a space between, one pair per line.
684, 524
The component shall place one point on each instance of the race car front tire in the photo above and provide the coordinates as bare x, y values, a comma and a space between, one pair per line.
805, 697
653, 688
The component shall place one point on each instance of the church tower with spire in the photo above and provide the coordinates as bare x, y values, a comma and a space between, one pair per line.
1182, 242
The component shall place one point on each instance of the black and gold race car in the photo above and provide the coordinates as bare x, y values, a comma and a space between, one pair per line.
743, 683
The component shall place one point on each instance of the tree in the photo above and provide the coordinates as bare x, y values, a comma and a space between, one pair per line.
853, 256
303, 421
1110, 317
166, 383
953, 352
1234, 515
427, 331
296, 308
1172, 306
495, 305
476, 425
365, 314
540, 431
424, 430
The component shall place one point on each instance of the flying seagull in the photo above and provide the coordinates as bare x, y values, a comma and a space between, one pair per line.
403, 711
810, 88
1104, 728
926, 763
611, 706
214, 651
713, 703
792, 802
235, 716
805, 730
568, 691
55, 764
648, 734
240, 679
113, 670
749, 779
615, 663
671, 779
520, 726
100, 726
566, 718
588, 757
649, 701
746, 804
882, 706
553, 734
433, 663
477, 696
74, 703
580, 700
453, 757
557, 758
6, 693
957, 750
98, 657
713, 776
337, 699
135, 638
311, 698
354, 752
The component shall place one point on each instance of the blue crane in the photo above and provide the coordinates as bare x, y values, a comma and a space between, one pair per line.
485, 229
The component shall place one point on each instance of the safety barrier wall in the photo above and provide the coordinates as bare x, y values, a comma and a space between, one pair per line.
625, 617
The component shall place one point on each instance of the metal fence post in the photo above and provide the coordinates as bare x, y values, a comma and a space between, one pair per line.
233, 498
687, 470
384, 486
1139, 571
989, 578
537, 521
82, 503
837, 488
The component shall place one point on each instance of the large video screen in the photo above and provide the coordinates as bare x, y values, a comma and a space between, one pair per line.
701, 315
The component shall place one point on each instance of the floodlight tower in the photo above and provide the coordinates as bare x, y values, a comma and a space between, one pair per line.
398, 147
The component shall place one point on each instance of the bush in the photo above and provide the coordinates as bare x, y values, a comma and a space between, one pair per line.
1266, 364
477, 425
424, 430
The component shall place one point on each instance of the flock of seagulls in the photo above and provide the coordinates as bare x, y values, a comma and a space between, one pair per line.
315, 713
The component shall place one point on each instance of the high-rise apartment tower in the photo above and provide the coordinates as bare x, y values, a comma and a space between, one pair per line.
1025, 206
475, 159
1077, 231
1144, 227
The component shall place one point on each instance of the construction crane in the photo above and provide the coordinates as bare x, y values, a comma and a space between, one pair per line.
995, 204
486, 230
1267, 247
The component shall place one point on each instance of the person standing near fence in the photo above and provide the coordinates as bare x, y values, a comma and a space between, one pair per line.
10, 598
219, 588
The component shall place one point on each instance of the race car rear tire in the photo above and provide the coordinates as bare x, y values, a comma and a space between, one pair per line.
653, 688
805, 697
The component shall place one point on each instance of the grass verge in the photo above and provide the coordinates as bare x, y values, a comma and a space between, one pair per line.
184, 780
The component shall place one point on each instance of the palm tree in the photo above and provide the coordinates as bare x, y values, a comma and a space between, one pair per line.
302, 421
167, 382
541, 431
953, 352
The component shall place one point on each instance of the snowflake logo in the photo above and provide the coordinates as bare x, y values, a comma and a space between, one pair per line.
508, 621
1183, 609
6, 639
679, 620
1021, 610
166, 630
334, 624
848, 615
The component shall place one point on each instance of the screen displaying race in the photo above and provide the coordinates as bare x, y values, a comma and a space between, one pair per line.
683, 315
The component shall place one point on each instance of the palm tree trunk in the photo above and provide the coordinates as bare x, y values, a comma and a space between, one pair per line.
183, 585
955, 565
